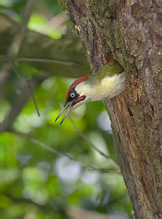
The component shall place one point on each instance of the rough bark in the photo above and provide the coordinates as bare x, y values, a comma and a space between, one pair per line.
129, 31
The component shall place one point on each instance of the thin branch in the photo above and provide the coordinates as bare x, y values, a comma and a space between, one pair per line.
49, 54
55, 22
17, 72
5, 58
20, 102
46, 147
32, 96
92, 145
29, 87
46, 61
44, 208
16, 43
20, 33
22, 134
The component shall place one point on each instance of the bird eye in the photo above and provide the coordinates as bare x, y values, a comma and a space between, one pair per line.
72, 95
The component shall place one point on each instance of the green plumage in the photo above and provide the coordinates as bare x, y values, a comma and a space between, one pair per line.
111, 69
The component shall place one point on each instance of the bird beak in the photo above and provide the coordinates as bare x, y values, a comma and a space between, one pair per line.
67, 112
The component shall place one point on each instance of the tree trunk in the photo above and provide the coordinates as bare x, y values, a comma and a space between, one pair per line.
129, 31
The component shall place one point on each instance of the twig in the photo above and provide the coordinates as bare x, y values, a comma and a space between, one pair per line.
44, 207
16, 43
46, 61
20, 103
22, 134
5, 58
17, 72
49, 148
32, 96
55, 22
29, 87
46, 147
92, 145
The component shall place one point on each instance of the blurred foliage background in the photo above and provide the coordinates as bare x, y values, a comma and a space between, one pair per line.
73, 180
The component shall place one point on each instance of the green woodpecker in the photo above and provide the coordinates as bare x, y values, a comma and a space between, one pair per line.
108, 82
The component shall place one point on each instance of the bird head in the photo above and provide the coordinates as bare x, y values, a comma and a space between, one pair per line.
75, 96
